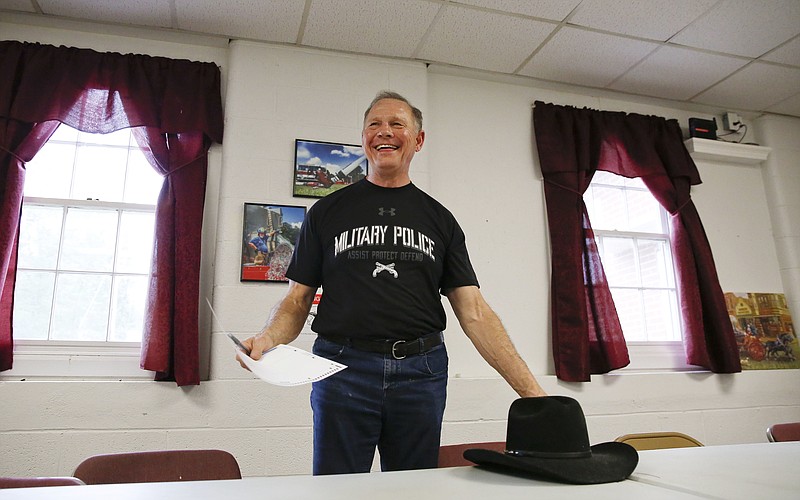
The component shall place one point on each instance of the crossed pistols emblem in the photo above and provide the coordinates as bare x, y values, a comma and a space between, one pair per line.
381, 267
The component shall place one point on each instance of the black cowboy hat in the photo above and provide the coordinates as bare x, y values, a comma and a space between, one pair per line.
546, 437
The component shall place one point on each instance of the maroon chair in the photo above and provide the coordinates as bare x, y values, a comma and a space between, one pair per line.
452, 455
784, 432
32, 482
158, 466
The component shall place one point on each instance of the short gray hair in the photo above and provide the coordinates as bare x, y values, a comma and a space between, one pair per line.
388, 94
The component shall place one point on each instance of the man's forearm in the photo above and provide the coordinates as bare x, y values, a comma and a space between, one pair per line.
493, 343
285, 321
490, 338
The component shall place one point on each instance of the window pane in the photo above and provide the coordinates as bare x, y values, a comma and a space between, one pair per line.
33, 297
142, 183
81, 307
69, 255
135, 242
89, 238
630, 312
662, 316
39, 234
654, 262
127, 308
609, 209
49, 173
619, 261
99, 173
645, 213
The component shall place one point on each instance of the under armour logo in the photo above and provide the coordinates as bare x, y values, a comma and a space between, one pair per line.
386, 211
380, 268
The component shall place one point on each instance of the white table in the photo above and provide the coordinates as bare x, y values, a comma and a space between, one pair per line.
765, 470
746, 471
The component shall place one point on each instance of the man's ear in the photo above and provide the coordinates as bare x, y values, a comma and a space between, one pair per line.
420, 140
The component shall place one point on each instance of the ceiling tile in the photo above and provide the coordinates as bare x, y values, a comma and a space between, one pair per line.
744, 27
586, 57
243, 18
556, 10
369, 26
20, 5
756, 87
483, 40
790, 106
653, 19
140, 12
787, 54
677, 73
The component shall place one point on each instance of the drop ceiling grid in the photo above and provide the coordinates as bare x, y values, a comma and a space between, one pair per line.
555, 10
143, 12
790, 106
761, 84
787, 54
599, 43
482, 39
586, 57
373, 27
744, 27
677, 73
249, 19
652, 19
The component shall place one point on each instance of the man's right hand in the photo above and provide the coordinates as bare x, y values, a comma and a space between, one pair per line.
257, 345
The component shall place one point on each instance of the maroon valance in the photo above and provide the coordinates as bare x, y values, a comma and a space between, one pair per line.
100, 92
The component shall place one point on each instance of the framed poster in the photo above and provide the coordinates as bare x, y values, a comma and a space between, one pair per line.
269, 233
321, 168
764, 330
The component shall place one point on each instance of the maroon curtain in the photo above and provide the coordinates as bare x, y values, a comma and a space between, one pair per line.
19, 142
179, 104
573, 144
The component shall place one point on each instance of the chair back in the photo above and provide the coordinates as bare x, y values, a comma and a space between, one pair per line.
33, 482
784, 432
452, 455
658, 440
158, 466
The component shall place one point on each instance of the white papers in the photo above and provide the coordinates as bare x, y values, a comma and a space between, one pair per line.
286, 365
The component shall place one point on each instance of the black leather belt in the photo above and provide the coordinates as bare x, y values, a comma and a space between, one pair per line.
399, 349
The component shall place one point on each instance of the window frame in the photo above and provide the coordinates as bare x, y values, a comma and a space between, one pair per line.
653, 355
54, 359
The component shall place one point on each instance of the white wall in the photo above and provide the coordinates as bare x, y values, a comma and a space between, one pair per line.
479, 160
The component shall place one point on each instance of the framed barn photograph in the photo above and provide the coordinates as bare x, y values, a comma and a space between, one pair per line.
269, 234
321, 168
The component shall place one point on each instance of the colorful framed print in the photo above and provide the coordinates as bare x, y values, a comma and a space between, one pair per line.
269, 234
320, 168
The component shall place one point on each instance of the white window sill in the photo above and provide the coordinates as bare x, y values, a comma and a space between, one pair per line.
72, 360
657, 357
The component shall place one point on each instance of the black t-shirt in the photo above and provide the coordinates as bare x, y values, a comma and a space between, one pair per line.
382, 257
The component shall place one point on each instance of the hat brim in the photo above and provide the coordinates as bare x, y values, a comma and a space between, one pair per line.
608, 463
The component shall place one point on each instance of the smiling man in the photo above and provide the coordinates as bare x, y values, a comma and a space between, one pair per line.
384, 253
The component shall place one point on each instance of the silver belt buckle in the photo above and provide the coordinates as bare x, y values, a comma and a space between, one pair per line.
394, 347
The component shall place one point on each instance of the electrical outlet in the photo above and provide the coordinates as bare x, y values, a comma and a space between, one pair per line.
731, 121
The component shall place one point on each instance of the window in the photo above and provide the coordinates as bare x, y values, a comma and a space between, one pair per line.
633, 238
86, 236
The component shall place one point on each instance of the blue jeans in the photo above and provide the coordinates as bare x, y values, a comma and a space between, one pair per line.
378, 401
